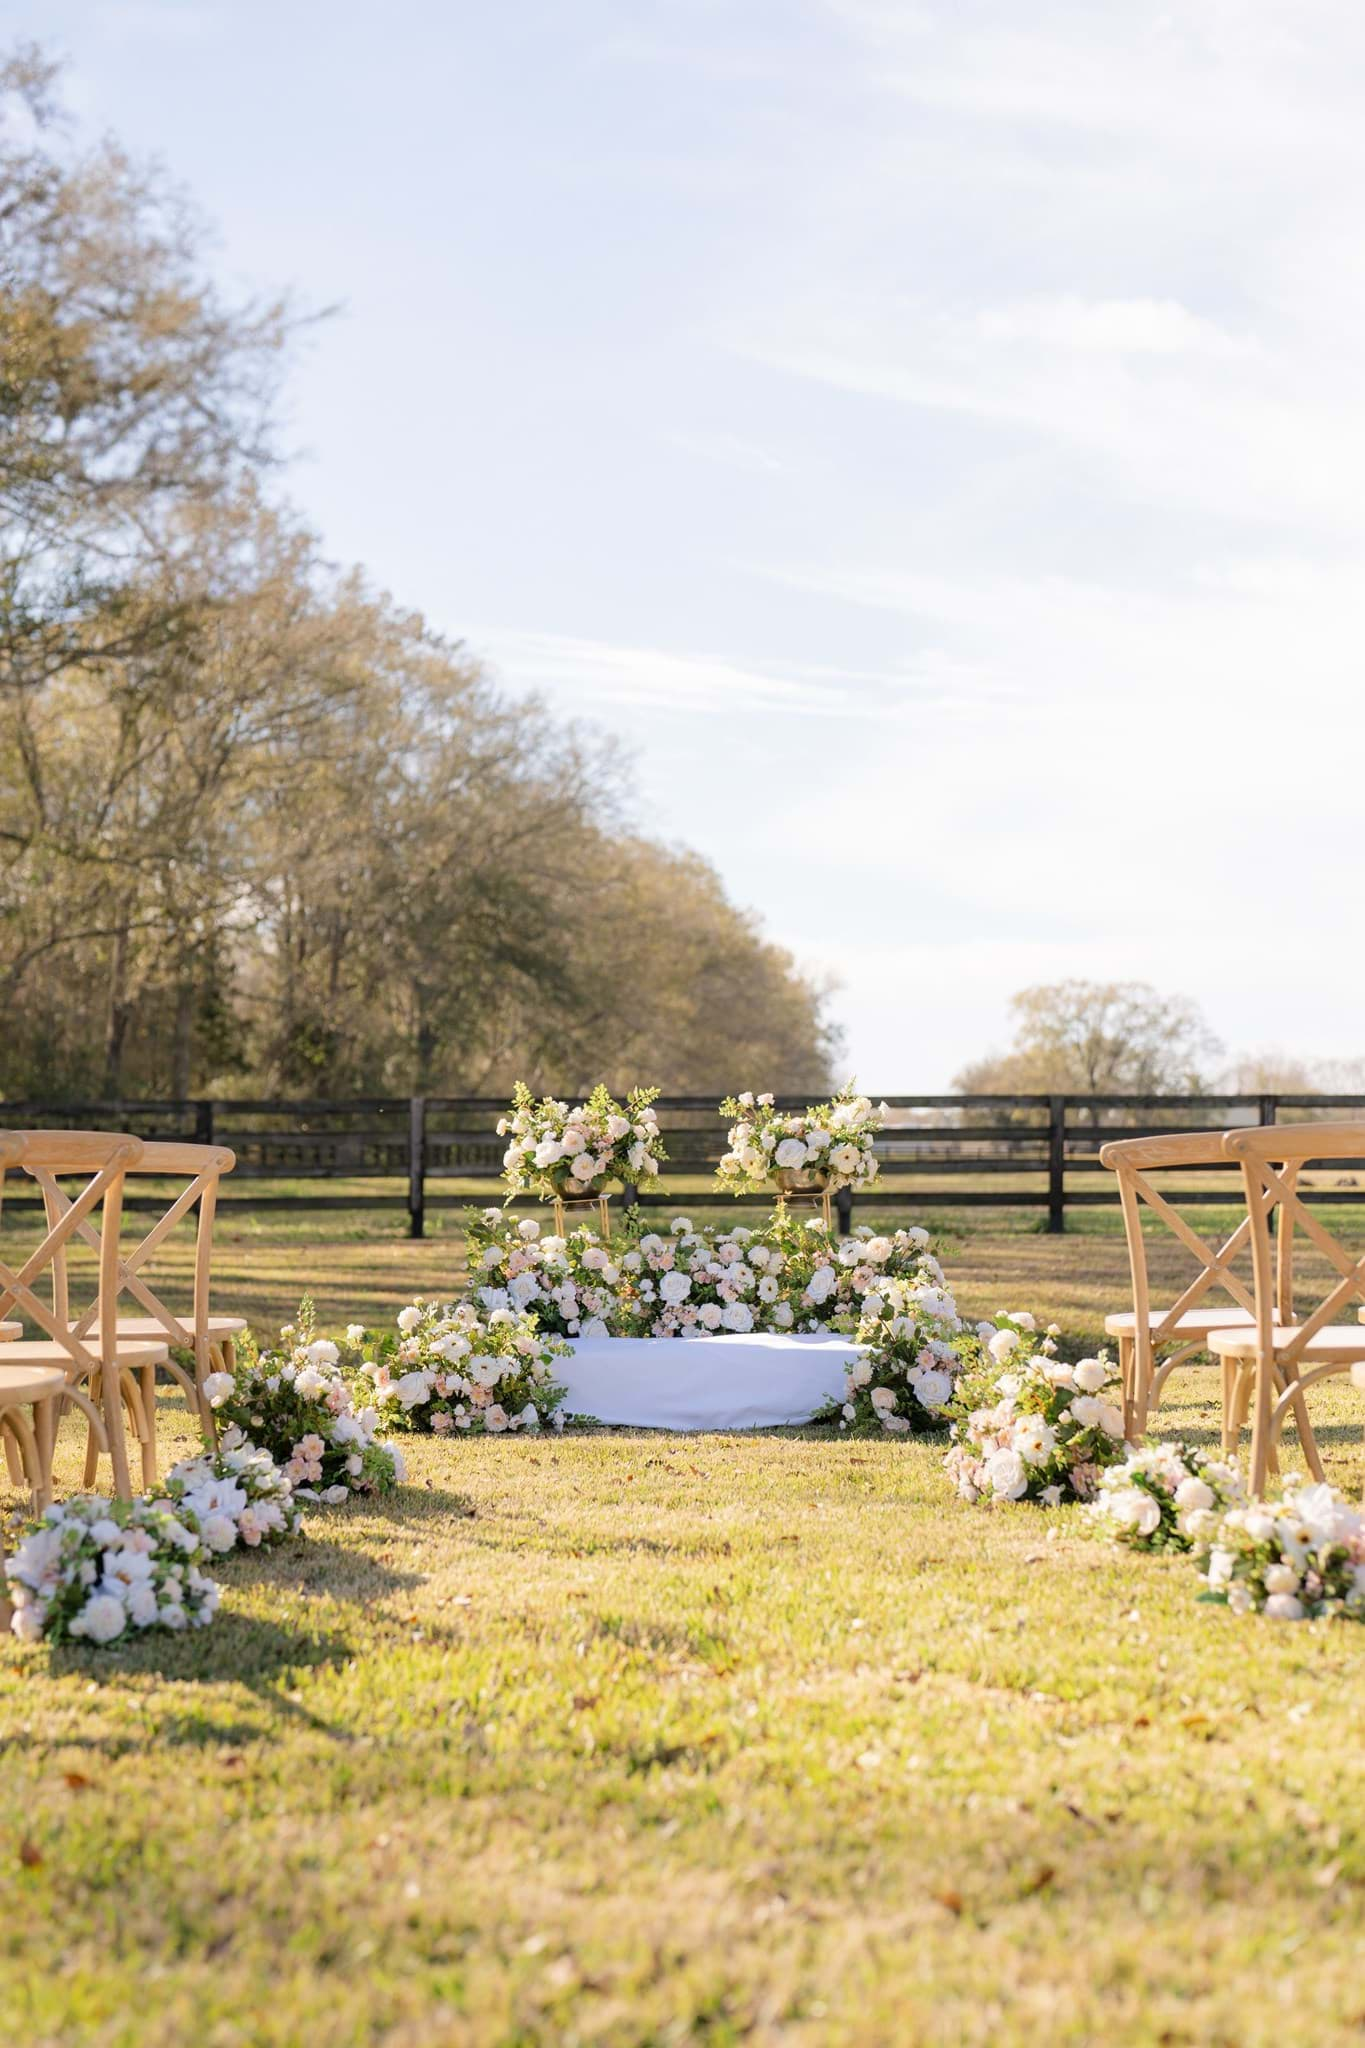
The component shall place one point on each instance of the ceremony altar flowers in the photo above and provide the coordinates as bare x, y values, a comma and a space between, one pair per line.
562, 1154
1298, 1558
97, 1571
235, 1494
1165, 1496
572, 1285
296, 1402
1029, 1426
823, 1148
697, 1283
459, 1368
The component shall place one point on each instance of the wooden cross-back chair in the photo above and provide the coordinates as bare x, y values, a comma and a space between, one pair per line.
28, 1397
211, 1338
1217, 1297
103, 1375
1286, 1352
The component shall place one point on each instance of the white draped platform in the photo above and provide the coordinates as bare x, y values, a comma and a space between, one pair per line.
726, 1382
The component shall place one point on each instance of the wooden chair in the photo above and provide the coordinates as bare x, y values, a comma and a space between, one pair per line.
103, 1376
1280, 1344
1216, 1298
211, 1338
39, 1388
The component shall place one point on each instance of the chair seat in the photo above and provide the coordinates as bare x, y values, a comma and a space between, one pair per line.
1337, 1343
42, 1351
20, 1384
9, 1331
148, 1326
1196, 1322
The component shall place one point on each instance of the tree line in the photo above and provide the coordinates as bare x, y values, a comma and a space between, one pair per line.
262, 828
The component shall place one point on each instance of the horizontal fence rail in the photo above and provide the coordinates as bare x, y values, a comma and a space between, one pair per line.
929, 1145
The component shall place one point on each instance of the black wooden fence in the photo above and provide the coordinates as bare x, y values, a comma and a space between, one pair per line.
935, 1150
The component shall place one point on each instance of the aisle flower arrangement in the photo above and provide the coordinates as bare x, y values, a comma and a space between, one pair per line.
95, 1571
572, 1284
825, 1147
696, 1283
236, 1494
1028, 1426
1165, 1496
558, 1152
1299, 1558
296, 1403
868, 1278
457, 1368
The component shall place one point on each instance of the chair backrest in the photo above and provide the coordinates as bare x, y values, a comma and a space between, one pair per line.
1271, 1161
1134, 1160
105, 1157
203, 1166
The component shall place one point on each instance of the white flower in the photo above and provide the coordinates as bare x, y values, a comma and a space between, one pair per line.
408, 1319
1132, 1507
101, 1619
1034, 1439
529, 1417
1193, 1493
309, 1384
1002, 1344
218, 1388
1281, 1578
845, 1159
933, 1389
413, 1389
333, 1496
1284, 1607
355, 1333
737, 1315
1091, 1374
322, 1352
528, 1229
882, 1399
1006, 1475
675, 1288
790, 1154
496, 1418
783, 1316
681, 1226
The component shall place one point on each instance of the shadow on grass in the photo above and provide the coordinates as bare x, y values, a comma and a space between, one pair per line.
242, 1649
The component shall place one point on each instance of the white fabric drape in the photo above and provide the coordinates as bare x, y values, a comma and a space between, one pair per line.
726, 1382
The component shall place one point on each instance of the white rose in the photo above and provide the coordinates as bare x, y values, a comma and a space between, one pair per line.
1006, 1475
218, 1388
1091, 1375
1281, 1578
309, 1384
737, 1315
675, 1288
1284, 1607
101, 1619
708, 1315
791, 1153
413, 1389
323, 1352
845, 1159
783, 1316
1002, 1344
933, 1389
882, 1399
355, 1333
409, 1318
1193, 1493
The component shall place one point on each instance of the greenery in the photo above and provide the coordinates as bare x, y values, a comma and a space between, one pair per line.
629, 1739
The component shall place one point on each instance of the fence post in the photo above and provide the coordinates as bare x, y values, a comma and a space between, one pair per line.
417, 1166
1056, 1165
203, 1123
1269, 1108
843, 1203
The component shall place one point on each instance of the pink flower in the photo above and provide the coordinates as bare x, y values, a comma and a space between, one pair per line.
440, 1422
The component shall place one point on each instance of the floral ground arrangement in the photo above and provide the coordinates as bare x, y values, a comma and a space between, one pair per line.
618, 1739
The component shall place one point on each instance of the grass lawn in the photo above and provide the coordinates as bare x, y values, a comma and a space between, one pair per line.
638, 1739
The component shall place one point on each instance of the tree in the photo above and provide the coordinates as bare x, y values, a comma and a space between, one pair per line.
1098, 1038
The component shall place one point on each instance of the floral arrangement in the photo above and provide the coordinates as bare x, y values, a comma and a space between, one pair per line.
828, 1146
1299, 1558
788, 1276
236, 1494
457, 1367
94, 1570
1165, 1496
572, 1285
1029, 1426
296, 1403
557, 1152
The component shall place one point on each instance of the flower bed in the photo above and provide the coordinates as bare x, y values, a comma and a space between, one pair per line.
1165, 1496
1300, 1558
95, 1570
1028, 1426
296, 1402
572, 1284
458, 1368
235, 1494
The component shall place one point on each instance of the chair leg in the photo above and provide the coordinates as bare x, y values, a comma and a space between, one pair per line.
1308, 1443
111, 1384
1261, 1445
1127, 1366
1229, 1366
147, 1377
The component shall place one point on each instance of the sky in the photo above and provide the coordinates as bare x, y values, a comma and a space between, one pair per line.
931, 435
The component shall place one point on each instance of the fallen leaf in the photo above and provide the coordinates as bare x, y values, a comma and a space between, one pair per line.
583, 1700
76, 1781
950, 1898
1040, 1881
30, 1855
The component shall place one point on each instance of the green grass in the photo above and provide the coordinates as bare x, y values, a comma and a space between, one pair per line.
637, 1739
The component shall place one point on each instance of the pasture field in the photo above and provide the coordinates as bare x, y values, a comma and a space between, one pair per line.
633, 1739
